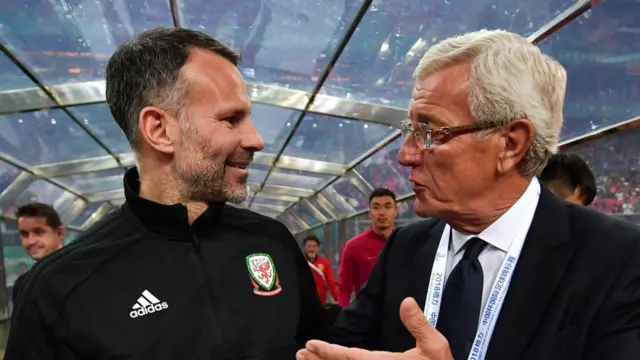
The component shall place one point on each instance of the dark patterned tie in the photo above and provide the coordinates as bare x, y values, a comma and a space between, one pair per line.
461, 301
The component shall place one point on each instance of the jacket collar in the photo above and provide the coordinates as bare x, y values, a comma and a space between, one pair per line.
547, 251
166, 220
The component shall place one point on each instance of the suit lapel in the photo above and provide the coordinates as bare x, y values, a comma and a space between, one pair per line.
545, 255
423, 265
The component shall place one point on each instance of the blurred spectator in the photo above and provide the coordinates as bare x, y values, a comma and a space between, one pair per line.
321, 268
41, 234
570, 177
361, 252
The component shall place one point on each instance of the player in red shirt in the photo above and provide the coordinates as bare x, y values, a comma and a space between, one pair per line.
360, 253
321, 268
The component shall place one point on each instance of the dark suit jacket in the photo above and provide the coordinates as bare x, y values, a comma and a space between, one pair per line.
17, 286
575, 293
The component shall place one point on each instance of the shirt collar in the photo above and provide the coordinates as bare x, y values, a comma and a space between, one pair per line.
503, 231
373, 235
168, 220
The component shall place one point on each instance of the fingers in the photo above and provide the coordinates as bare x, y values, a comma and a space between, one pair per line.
428, 339
320, 350
305, 354
414, 320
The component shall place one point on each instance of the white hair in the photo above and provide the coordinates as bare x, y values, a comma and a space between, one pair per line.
510, 79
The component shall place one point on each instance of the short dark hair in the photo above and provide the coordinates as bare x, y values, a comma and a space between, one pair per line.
145, 70
379, 192
40, 210
311, 237
565, 173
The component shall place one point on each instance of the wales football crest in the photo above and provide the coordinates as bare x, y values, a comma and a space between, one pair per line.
264, 276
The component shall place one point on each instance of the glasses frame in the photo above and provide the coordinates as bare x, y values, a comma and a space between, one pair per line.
424, 135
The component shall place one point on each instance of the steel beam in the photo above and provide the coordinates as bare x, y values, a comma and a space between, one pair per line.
106, 195
327, 206
572, 12
97, 215
73, 212
128, 159
315, 212
360, 183
93, 92
11, 193
603, 132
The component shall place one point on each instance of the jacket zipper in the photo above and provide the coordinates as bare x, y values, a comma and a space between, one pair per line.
212, 298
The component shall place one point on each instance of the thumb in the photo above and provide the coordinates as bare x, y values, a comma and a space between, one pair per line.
416, 322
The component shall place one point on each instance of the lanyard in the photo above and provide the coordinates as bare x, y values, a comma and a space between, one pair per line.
496, 296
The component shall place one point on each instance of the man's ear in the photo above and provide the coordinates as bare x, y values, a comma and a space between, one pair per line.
159, 129
579, 195
60, 231
576, 197
517, 139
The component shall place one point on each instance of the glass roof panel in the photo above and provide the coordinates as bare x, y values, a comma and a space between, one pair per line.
290, 222
88, 211
377, 64
298, 179
383, 170
39, 191
305, 214
44, 137
65, 202
615, 162
98, 119
71, 41
8, 174
261, 200
336, 140
273, 124
341, 205
600, 51
280, 40
316, 204
93, 181
11, 78
351, 194
258, 172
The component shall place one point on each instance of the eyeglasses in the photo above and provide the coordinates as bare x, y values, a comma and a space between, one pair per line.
425, 136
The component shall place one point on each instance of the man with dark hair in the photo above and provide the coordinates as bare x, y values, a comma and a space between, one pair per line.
175, 273
569, 177
320, 267
41, 233
360, 253
40, 229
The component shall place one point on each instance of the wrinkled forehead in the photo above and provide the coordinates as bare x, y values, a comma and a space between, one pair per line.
444, 91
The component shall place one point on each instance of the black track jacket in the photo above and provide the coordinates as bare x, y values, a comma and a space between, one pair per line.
144, 284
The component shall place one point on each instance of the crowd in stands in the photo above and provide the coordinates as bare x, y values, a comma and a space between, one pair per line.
615, 161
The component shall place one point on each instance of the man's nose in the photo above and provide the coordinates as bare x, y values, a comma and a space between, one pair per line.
409, 154
29, 239
252, 140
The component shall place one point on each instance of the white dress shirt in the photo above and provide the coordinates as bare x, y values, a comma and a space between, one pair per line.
498, 236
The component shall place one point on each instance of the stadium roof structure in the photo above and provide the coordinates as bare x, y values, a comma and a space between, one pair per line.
329, 81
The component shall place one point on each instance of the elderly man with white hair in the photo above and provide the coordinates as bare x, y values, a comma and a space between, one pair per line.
503, 269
